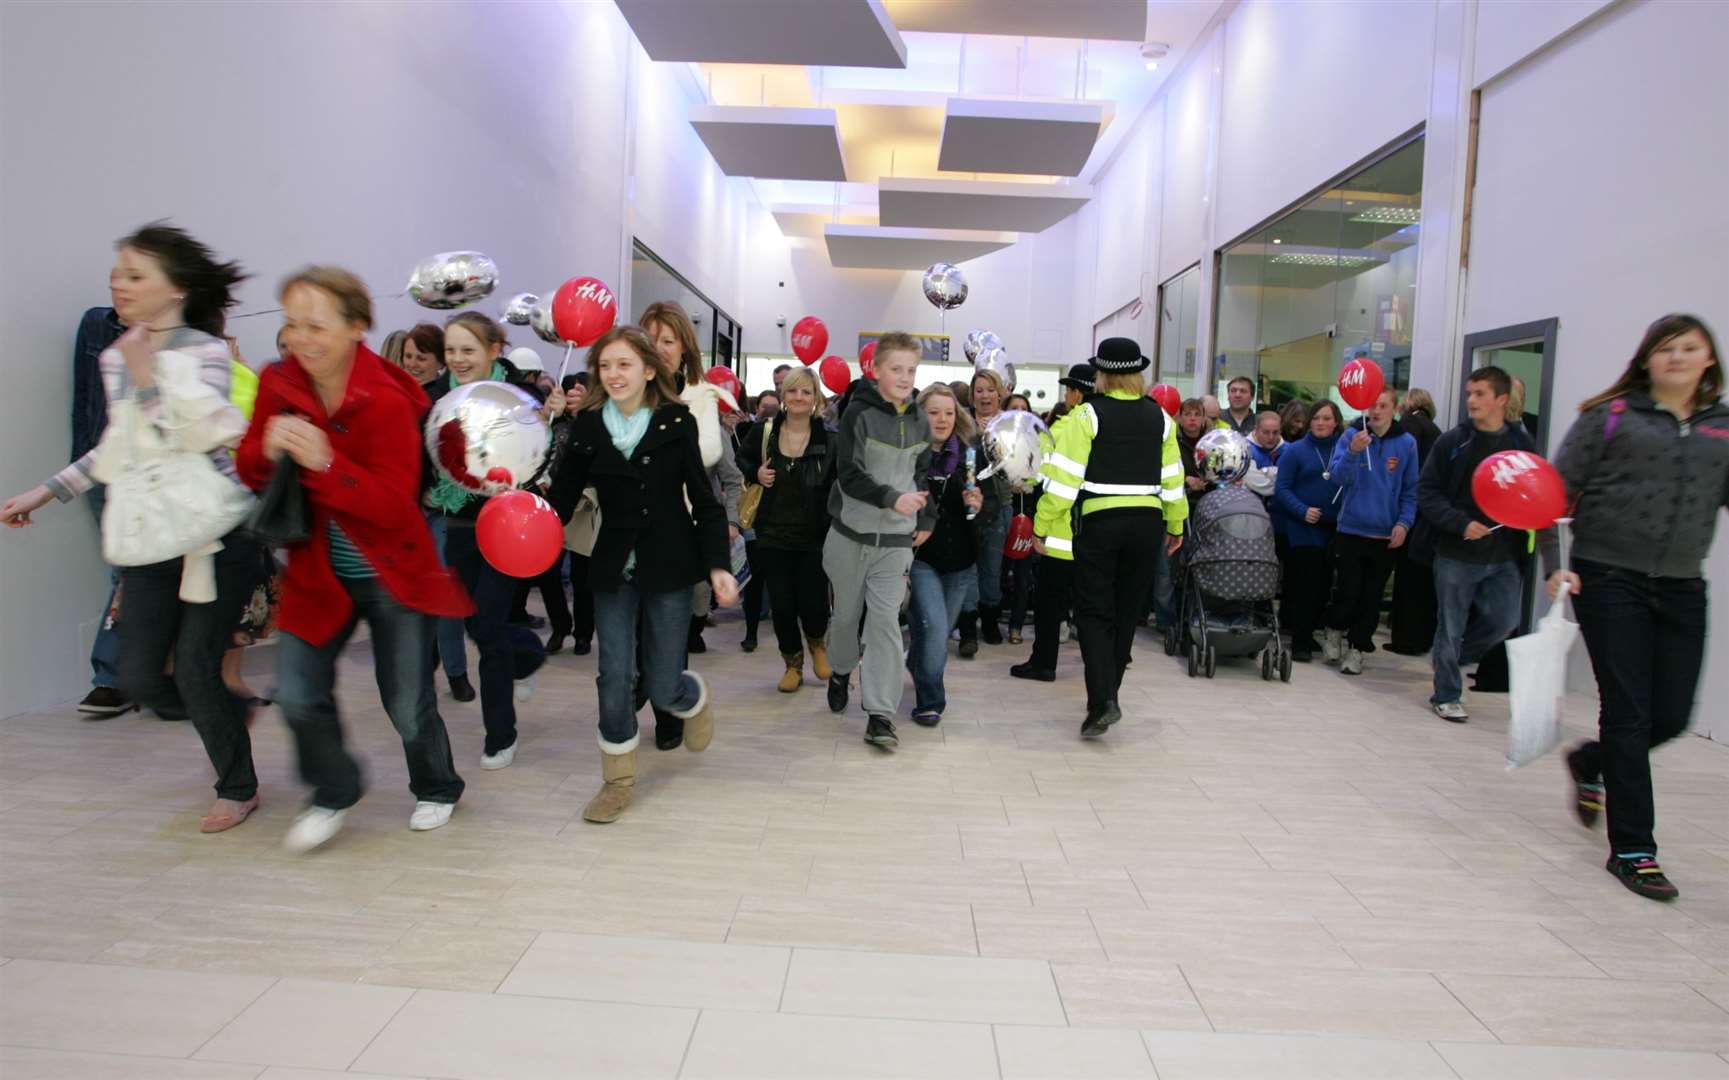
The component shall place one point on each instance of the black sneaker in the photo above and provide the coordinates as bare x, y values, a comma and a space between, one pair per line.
1099, 720
461, 689
1302, 656
1641, 874
581, 648
838, 693
555, 644
1587, 790
105, 701
693, 641
1037, 674
749, 642
969, 648
880, 732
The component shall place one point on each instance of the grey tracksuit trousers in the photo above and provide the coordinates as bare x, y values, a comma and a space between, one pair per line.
871, 581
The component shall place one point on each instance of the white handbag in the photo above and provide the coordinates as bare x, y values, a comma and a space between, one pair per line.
703, 399
166, 499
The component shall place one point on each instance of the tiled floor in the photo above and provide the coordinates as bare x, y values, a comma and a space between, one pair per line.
1245, 879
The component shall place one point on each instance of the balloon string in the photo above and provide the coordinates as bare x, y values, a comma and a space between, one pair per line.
564, 368
278, 311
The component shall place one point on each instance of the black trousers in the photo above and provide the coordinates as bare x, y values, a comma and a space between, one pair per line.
753, 589
1307, 589
494, 593
1051, 604
157, 625
581, 599
1646, 637
1363, 564
551, 586
1114, 568
1413, 615
797, 592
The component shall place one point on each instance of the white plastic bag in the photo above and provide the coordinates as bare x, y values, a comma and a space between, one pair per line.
1537, 678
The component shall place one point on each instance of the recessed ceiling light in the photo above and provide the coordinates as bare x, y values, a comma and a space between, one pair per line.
1154, 51
1389, 215
1315, 258
1276, 240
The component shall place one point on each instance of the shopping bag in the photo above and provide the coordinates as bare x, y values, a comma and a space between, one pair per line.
741, 568
1537, 665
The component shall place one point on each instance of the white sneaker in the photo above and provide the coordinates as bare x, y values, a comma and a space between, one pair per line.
1452, 710
1332, 646
525, 688
314, 827
1063, 634
430, 815
1352, 662
500, 760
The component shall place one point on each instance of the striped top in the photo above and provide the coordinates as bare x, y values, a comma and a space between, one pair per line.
345, 557
213, 369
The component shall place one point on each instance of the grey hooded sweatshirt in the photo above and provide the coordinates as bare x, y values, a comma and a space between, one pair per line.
882, 452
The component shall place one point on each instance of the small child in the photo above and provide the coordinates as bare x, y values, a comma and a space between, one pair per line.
878, 514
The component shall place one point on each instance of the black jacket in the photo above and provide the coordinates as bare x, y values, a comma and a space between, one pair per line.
439, 387
1421, 426
1445, 505
643, 502
810, 480
953, 543
99, 329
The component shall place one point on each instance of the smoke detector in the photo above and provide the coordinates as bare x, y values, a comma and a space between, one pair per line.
1154, 51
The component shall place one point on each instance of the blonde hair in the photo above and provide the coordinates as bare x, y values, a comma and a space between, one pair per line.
659, 389
391, 350
995, 380
485, 330
1133, 381
805, 377
666, 313
1419, 399
899, 341
964, 426
1516, 402
349, 291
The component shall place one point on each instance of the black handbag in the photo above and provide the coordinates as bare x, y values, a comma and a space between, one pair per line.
281, 517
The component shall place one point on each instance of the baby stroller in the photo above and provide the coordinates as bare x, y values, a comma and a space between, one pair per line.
1230, 579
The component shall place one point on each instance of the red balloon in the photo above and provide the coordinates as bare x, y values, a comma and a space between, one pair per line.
1360, 383
835, 374
726, 380
867, 360
809, 338
1169, 398
519, 534
1519, 489
1018, 544
583, 308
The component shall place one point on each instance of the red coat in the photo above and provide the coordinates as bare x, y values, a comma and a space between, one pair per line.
371, 489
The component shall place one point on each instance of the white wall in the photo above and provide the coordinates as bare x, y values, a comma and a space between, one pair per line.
1614, 216
365, 134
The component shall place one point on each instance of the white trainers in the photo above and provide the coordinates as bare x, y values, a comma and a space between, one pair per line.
430, 815
1063, 633
1453, 711
500, 760
1332, 646
314, 827
1352, 662
525, 688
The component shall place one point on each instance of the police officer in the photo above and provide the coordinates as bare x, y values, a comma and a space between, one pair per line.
1052, 601
1113, 490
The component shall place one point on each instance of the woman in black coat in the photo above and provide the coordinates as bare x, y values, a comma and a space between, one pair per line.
1413, 614
661, 532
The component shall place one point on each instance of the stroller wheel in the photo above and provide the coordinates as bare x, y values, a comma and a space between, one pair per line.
1285, 667
1267, 663
1194, 660
1212, 660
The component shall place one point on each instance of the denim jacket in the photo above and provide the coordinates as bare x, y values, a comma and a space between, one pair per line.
99, 329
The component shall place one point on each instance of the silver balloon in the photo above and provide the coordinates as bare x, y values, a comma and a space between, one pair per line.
1223, 456
1014, 442
978, 341
945, 286
452, 279
996, 359
519, 309
486, 437
540, 318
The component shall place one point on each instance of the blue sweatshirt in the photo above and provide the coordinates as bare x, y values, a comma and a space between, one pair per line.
1380, 483
1304, 481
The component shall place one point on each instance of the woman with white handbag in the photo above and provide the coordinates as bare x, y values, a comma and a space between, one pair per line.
173, 500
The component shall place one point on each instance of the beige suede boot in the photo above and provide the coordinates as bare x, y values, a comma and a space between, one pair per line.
699, 721
618, 771
819, 664
794, 677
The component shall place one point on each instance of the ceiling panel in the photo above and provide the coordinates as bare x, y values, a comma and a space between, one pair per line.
978, 204
780, 144
1049, 138
877, 247
845, 33
1101, 20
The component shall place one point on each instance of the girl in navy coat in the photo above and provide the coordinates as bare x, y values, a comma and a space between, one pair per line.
1307, 498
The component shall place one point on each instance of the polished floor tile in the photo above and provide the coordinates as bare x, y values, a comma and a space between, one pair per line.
1472, 1061
836, 983
1038, 1053
118, 1010
757, 1046
651, 972
1184, 1056
1371, 1005
307, 1024
1594, 1012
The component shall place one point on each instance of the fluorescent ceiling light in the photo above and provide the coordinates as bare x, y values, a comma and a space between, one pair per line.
1390, 215
1315, 258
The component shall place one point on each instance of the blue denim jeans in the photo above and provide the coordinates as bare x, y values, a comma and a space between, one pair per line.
105, 650
452, 646
1477, 606
991, 535
937, 602
402, 662
665, 630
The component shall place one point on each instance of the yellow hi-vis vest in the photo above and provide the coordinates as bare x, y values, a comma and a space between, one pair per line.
1065, 479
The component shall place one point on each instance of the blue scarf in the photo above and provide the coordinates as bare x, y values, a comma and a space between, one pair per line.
626, 432
447, 495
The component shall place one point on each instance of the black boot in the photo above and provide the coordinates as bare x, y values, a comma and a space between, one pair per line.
988, 629
695, 643
749, 642
668, 730
969, 627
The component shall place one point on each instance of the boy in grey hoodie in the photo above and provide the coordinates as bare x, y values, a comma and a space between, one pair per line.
878, 514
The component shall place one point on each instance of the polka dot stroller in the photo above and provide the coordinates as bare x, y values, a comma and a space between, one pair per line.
1230, 579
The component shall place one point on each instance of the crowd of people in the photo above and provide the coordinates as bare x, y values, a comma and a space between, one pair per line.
856, 516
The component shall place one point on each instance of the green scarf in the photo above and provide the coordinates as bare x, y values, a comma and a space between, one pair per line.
447, 496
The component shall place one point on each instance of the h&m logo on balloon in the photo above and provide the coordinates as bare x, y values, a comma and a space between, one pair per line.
1519, 489
1511, 466
1360, 383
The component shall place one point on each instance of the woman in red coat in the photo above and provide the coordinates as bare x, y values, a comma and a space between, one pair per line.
351, 422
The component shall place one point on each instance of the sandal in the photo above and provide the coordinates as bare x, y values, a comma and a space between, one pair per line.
218, 821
